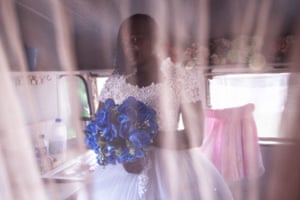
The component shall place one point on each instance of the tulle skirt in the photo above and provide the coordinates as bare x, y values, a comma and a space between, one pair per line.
168, 174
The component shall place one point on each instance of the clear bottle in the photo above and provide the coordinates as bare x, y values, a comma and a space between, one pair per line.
58, 141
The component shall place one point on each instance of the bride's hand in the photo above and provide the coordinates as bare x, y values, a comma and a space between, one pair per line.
135, 167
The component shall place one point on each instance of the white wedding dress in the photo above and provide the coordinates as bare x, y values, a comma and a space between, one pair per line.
169, 174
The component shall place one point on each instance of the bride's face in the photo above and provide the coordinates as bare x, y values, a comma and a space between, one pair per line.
137, 45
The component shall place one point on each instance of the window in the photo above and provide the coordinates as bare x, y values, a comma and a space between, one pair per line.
267, 91
97, 80
99, 84
73, 101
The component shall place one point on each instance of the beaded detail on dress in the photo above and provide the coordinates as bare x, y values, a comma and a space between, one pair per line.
143, 180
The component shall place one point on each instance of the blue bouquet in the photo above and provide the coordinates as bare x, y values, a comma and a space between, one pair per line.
121, 133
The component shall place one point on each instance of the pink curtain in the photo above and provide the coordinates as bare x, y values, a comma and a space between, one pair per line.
231, 142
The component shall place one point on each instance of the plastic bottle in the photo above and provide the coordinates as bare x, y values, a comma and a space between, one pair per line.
58, 141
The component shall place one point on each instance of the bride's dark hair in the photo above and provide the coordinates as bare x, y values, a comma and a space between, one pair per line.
149, 26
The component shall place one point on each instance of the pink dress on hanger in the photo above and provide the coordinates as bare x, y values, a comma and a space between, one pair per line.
230, 135
231, 142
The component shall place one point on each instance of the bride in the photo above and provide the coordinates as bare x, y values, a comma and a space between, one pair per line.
175, 167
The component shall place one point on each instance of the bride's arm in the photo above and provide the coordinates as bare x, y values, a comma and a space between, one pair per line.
193, 120
191, 136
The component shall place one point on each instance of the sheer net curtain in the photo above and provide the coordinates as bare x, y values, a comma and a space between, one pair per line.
20, 176
19, 173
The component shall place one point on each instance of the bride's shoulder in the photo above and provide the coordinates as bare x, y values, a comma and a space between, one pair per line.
113, 81
167, 66
115, 78
177, 71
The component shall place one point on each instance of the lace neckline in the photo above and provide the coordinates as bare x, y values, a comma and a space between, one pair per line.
146, 86
166, 69
136, 86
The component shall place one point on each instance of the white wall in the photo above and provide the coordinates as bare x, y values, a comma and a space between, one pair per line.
37, 94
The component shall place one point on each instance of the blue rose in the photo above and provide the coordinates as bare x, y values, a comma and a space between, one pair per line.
109, 104
129, 108
103, 117
146, 114
107, 115
126, 126
130, 101
92, 143
109, 132
140, 138
139, 153
150, 114
130, 111
92, 128
123, 118
125, 156
153, 127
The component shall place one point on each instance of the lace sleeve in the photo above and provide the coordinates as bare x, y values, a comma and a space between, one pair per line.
191, 85
188, 82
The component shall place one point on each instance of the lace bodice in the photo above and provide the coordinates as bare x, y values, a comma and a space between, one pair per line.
178, 86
